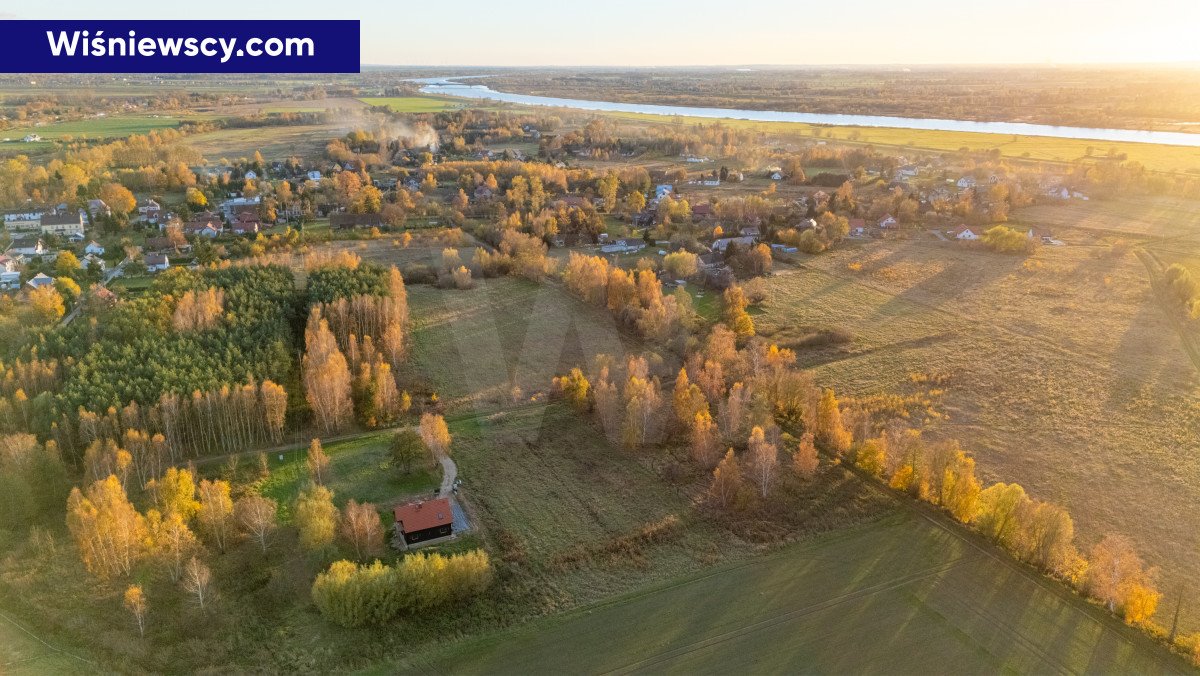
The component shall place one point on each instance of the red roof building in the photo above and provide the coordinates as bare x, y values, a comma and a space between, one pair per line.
424, 520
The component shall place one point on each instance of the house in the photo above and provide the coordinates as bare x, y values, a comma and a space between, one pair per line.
888, 222
626, 245
32, 138
150, 212
711, 261
571, 201
157, 262
63, 224
28, 247
702, 211
246, 223
9, 280
231, 206
9, 264
1038, 235
98, 208
751, 231
251, 175
424, 520
738, 242
314, 176
93, 249
206, 228
483, 193
807, 224
91, 260
966, 232
776, 176
966, 182
858, 227
663, 190
347, 221
908, 171
39, 281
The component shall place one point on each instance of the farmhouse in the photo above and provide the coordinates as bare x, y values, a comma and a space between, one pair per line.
723, 243
98, 208
966, 232
64, 224
28, 247
627, 245
150, 212
157, 262
424, 520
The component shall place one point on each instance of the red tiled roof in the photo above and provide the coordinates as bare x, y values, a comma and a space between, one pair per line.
417, 516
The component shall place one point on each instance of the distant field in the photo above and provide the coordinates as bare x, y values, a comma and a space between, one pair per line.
414, 104
1155, 157
1066, 377
898, 597
1163, 222
94, 128
275, 143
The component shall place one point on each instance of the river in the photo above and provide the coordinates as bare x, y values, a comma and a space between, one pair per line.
450, 87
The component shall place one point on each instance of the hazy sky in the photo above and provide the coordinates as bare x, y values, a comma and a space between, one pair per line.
706, 32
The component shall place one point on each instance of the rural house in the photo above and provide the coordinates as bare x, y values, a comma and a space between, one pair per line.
888, 221
424, 520
157, 262
28, 247
627, 245
966, 232
40, 280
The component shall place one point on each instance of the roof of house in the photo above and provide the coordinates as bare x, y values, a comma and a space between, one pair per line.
963, 228
156, 259
344, 220
26, 242
857, 223
67, 218
40, 280
423, 515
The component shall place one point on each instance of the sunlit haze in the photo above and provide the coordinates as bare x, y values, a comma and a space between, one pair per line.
704, 32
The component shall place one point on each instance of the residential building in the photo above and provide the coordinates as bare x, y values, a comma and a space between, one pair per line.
157, 262
64, 224
424, 520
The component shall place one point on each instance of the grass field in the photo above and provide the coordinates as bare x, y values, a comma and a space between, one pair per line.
414, 104
360, 468
901, 596
21, 654
1064, 376
275, 142
475, 346
117, 126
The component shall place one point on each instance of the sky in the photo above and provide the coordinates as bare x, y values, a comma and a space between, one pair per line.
707, 32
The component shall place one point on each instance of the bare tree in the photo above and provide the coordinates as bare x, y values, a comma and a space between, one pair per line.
361, 527
197, 580
256, 515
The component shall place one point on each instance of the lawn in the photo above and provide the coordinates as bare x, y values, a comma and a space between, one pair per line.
360, 468
414, 104
1064, 375
901, 596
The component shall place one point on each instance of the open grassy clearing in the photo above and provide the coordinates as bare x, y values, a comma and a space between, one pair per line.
898, 596
475, 346
1066, 377
1160, 222
22, 654
360, 468
414, 104
275, 142
116, 126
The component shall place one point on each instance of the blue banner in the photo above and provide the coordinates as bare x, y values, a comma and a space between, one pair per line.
202, 46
